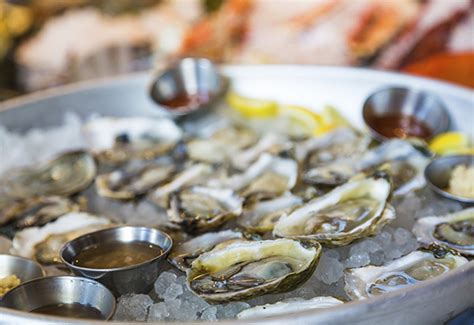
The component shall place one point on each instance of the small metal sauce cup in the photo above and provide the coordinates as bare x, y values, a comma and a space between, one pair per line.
438, 173
138, 278
55, 290
423, 106
25, 269
188, 77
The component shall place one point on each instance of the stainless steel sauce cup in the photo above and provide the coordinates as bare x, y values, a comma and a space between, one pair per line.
138, 278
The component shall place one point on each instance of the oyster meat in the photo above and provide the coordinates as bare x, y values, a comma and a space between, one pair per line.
67, 174
116, 140
198, 208
244, 269
184, 253
43, 243
261, 216
406, 164
417, 266
455, 231
291, 306
36, 211
133, 181
354, 210
270, 176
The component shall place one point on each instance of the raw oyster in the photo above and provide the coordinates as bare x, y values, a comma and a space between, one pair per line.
221, 146
270, 176
291, 306
417, 266
184, 253
407, 166
198, 208
67, 174
454, 230
340, 143
43, 243
243, 269
116, 140
261, 216
36, 211
134, 180
354, 210
194, 175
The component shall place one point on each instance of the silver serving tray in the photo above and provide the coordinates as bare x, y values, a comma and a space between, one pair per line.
432, 301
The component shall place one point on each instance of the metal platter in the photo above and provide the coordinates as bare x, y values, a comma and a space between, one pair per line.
433, 301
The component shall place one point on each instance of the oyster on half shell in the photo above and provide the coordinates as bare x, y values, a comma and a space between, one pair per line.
354, 210
198, 208
117, 140
134, 180
244, 269
36, 211
261, 216
184, 253
291, 306
455, 231
65, 175
43, 243
417, 266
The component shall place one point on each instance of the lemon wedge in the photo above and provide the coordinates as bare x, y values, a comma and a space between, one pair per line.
451, 143
301, 121
252, 107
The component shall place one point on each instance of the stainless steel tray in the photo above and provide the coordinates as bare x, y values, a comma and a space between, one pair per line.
433, 301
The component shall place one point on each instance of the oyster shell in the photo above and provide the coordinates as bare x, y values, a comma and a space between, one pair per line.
243, 269
194, 175
270, 176
43, 243
354, 210
455, 231
221, 146
36, 211
116, 140
67, 174
417, 266
291, 306
261, 216
407, 166
184, 253
198, 208
134, 180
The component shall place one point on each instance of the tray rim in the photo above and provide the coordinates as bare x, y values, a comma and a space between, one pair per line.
295, 71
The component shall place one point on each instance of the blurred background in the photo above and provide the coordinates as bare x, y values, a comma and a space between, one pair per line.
45, 43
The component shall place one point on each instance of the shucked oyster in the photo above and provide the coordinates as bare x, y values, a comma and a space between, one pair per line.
43, 243
65, 175
198, 208
36, 211
261, 216
116, 140
221, 145
454, 230
417, 266
134, 180
270, 176
354, 210
184, 253
246, 269
406, 165
292, 306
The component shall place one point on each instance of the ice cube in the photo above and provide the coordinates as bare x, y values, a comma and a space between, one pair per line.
209, 314
329, 269
133, 307
164, 281
173, 291
158, 312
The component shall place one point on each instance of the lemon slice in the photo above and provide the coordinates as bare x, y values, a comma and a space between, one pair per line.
300, 121
450, 143
252, 107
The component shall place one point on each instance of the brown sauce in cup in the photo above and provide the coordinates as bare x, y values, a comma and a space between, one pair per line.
400, 126
74, 310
